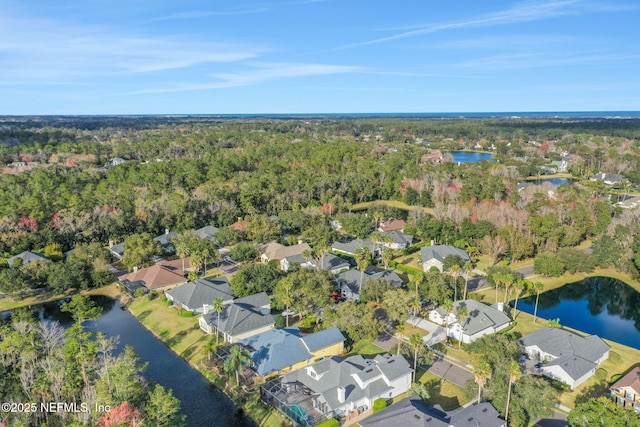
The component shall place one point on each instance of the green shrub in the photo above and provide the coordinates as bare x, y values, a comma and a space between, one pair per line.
379, 405
614, 357
280, 321
186, 313
601, 374
138, 293
331, 422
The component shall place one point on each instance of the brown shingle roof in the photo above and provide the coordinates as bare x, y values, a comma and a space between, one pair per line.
155, 277
632, 379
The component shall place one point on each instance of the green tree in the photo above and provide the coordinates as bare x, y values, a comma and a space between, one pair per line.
548, 264
374, 289
415, 340
396, 303
139, 249
235, 362
253, 278
364, 258
358, 225
262, 229
163, 409
218, 306
536, 287
514, 374
358, 321
481, 374
602, 412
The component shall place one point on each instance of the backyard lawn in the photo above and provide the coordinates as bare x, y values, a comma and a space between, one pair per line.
443, 393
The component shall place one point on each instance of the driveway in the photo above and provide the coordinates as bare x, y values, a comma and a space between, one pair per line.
436, 333
449, 372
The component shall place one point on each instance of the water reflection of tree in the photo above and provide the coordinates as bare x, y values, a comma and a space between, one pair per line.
617, 297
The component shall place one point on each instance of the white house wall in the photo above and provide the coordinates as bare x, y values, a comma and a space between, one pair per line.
426, 266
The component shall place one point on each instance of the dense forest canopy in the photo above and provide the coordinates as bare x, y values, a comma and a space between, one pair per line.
82, 180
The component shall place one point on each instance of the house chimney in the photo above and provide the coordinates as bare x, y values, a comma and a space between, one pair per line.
110, 244
342, 394
501, 306
432, 242
166, 231
205, 308
135, 268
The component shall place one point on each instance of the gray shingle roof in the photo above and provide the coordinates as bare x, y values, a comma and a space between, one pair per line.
242, 315
28, 257
207, 232
398, 237
342, 373
576, 355
351, 278
202, 291
440, 252
165, 241
413, 412
352, 246
118, 249
480, 316
329, 261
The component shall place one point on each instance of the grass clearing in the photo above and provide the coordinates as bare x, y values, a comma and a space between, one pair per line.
443, 393
366, 348
10, 304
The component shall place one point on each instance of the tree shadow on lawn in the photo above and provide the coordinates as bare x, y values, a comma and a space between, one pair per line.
176, 339
447, 403
593, 391
144, 315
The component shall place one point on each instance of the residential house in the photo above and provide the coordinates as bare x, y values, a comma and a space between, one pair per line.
351, 247
165, 241
156, 277
392, 224
565, 356
334, 387
609, 178
286, 255
398, 240
626, 391
117, 250
240, 225
629, 203
279, 351
116, 161
207, 232
333, 263
197, 296
242, 318
561, 165
413, 412
28, 257
481, 320
433, 256
350, 282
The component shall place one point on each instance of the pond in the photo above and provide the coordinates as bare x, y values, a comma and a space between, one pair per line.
202, 403
553, 181
600, 306
469, 156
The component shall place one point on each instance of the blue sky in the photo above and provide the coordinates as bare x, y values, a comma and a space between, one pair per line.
317, 56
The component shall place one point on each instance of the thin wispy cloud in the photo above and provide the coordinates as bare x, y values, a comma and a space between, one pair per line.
545, 60
525, 11
50, 50
198, 14
260, 73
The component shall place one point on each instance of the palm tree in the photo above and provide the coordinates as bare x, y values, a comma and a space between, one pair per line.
218, 305
481, 373
519, 286
363, 258
182, 247
507, 281
399, 331
462, 315
498, 278
416, 342
448, 307
455, 270
468, 266
514, 374
416, 306
307, 254
387, 255
421, 390
537, 287
210, 347
418, 279
238, 357
284, 294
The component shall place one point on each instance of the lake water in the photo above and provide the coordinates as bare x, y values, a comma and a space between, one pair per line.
553, 181
202, 403
600, 306
469, 156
